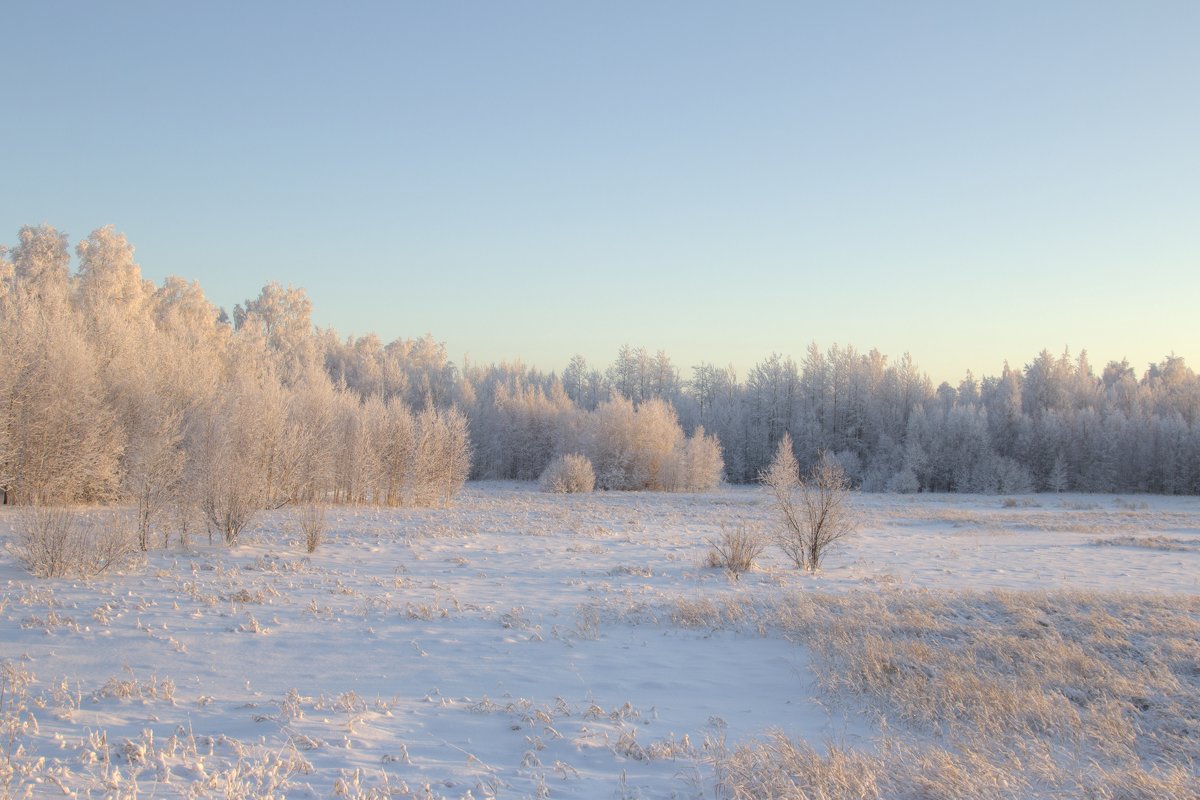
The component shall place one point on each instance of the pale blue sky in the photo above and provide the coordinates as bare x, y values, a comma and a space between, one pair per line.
968, 182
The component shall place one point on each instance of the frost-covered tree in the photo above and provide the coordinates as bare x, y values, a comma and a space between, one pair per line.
815, 512
574, 380
772, 396
41, 270
112, 388
63, 441
226, 459
644, 448
7, 272
696, 464
284, 317
631, 446
443, 456
153, 468
108, 382
110, 289
396, 443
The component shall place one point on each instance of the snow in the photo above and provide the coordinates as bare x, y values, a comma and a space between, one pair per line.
515, 645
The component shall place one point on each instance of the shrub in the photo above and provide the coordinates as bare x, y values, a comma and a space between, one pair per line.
815, 511
696, 464
229, 510
736, 550
641, 447
632, 445
312, 525
568, 474
57, 542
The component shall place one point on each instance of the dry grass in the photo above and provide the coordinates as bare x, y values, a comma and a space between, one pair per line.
199, 767
1005, 695
18, 769
780, 767
1095, 515
1024, 502
1150, 542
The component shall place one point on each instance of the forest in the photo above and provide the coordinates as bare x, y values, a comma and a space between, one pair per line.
113, 388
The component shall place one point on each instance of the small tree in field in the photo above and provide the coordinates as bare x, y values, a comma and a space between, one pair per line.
815, 510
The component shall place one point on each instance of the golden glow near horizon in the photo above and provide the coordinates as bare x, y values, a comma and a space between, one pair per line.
968, 185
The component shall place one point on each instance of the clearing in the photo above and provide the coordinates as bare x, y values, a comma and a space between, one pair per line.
522, 644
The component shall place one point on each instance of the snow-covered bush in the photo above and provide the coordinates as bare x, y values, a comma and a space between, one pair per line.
644, 448
58, 542
630, 446
312, 525
736, 550
815, 510
569, 474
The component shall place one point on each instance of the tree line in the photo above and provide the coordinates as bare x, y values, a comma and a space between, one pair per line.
1055, 424
114, 388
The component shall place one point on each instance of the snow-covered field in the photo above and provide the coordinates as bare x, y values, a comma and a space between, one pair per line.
522, 644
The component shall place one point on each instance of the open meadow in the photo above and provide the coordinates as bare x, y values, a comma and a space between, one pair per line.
523, 644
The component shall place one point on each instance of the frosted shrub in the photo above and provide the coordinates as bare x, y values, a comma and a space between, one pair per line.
312, 525
569, 474
815, 510
643, 447
736, 550
229, 511
630, 446
56, 543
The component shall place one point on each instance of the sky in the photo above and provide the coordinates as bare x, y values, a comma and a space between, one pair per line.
967, 182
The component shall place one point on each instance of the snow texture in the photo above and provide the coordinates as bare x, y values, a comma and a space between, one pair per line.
519, 644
